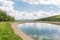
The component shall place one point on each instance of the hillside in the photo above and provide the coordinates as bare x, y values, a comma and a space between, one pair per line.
5, 17
52, 18
6, 32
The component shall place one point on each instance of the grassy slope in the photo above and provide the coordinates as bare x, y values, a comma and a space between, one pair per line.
6, 32
52, 18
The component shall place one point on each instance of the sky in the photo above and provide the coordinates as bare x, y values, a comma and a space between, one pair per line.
30, 9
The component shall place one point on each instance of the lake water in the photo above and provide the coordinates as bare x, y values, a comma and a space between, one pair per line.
41, 31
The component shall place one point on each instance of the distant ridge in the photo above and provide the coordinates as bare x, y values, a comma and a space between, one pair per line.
52, 18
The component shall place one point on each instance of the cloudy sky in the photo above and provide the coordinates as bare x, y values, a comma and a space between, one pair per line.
30, 9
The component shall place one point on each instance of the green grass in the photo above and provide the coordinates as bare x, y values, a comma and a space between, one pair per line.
6, 32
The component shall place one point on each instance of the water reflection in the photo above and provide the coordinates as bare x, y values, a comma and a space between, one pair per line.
41, 31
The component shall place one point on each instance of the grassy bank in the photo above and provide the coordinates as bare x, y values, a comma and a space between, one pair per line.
6, 32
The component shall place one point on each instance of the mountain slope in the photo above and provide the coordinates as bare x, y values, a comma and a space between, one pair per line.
52, 18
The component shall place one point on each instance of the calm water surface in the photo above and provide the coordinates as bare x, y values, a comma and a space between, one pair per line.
41, 31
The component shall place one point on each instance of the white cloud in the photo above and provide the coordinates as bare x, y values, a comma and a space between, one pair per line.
8, 7
34, 15
53, 2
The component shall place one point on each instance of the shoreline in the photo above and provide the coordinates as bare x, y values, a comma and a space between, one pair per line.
22, 34
19, 32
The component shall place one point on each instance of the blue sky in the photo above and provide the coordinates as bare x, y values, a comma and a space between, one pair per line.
29, 8
23, 6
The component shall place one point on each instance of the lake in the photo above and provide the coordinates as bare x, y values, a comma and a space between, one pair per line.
41, 31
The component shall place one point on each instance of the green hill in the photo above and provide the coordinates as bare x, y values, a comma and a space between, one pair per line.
52, 18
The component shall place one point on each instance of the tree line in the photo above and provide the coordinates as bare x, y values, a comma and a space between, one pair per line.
4, 17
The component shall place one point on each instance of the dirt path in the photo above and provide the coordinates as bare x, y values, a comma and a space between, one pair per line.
19, 32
